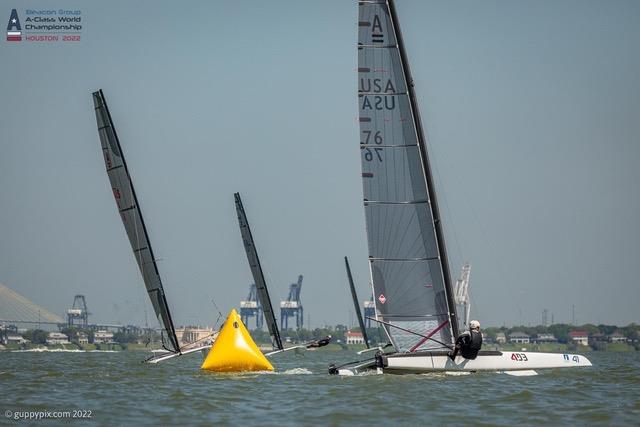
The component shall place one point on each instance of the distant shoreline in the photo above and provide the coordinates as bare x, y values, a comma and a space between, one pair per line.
551, 348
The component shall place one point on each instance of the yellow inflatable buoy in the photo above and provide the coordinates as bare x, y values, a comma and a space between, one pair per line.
234, 350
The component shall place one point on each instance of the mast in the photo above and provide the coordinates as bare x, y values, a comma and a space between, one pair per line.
355, 303
131, 216
258, 275
442, 250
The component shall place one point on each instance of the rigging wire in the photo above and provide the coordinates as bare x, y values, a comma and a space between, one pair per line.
442, 195
219, 314
410, 331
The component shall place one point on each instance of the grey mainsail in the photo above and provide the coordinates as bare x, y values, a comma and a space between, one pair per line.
258, 276
407, 255
129, 209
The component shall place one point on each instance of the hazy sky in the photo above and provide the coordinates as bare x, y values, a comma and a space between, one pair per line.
532, 109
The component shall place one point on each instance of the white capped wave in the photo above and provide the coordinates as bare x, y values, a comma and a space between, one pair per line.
61, 350
296, 371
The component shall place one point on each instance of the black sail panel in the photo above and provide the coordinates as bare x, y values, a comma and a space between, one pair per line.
407, 258
256, 271
356, 304
129, 209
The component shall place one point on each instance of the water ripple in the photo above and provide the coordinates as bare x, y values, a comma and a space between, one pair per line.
118, 389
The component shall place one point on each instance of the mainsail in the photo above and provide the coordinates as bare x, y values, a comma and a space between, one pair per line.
129, 209
356, 304
258, 276
407, 255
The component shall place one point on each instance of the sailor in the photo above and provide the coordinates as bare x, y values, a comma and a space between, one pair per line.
320, 343
469, 342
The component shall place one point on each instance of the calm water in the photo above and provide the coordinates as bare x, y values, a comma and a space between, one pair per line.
118, 389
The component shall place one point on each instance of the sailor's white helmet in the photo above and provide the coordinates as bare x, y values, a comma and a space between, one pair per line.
474, 324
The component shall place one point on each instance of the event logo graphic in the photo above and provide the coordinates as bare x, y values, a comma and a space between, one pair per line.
45, 25
14, 31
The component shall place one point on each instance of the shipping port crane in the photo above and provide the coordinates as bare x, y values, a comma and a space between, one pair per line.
292, 306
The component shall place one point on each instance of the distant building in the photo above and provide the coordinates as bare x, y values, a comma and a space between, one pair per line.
617, 337
519, 338
55, 338
83, 338
354, 337
15, 339
192, 334
501, 338
579, 337
597, 338
102, 337
544, 339
486, 339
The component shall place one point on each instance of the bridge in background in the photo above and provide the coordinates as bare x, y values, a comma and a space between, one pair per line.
14, 308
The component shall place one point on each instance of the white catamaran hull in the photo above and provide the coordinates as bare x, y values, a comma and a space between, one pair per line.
486, 361
494, 361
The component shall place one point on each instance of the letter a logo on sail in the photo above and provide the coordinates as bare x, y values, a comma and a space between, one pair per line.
14, 31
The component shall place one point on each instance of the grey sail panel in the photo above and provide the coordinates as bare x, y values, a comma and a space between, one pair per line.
408, 272
374, 24
258, 276
396, 178
411, 295
129, 209
397, 231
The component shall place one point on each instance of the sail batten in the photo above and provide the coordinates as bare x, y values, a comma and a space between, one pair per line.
407, 257
258, 275
124, 194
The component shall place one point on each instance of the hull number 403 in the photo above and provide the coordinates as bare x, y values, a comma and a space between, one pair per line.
519, 357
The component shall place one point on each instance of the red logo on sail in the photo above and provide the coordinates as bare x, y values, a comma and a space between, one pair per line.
382, 298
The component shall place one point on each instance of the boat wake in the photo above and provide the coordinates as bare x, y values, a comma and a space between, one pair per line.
296, 371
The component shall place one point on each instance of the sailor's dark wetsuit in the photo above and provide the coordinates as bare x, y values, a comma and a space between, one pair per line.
320, 343
469, 344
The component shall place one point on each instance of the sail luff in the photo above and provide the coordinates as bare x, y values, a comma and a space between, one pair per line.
258, 275
444, 260
109, 141
356, 304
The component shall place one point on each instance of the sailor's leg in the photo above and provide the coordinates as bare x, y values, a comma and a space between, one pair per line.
454, 353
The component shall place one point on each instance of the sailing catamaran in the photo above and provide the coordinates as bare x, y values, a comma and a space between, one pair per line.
261, 286
234, 350
258, 275
407, 254
131, 215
